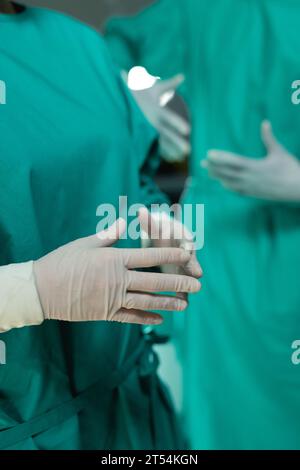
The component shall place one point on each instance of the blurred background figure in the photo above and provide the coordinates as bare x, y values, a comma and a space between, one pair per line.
173, 169
239, 59
161, 104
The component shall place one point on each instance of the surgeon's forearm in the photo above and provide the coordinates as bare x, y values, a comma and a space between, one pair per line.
19, 301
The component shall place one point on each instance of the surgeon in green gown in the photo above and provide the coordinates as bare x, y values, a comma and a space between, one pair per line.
69, 132
240, 59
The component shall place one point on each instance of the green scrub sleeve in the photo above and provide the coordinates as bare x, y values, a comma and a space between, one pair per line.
154, 39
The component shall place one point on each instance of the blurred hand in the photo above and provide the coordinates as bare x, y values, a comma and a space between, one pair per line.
275, 177
173, 129
163, 232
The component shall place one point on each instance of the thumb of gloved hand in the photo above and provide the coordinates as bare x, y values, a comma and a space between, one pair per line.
70, 278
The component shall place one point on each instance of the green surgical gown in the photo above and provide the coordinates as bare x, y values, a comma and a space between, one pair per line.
71, 138
240, 57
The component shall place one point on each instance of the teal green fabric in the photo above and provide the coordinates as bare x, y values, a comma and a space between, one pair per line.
240, 58
71, 139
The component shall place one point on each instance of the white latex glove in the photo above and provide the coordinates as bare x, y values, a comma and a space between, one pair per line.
173, 129
87, 280
164, 231
275, 177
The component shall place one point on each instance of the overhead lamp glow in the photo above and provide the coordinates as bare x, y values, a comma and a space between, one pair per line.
140, 79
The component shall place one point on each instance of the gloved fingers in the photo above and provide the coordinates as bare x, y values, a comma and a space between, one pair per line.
193, 268
112, 234
149, 224
182, 145
107, 237
236, 186
169, 151
187, 242
137, 317
174, 121
158, 226
171, 269
142, 301
222, 171
166, 229
153, 257
268, 137
181, 234
171, 84
158, 282
229, 159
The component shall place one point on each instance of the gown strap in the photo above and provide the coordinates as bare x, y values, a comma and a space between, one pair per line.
142, 355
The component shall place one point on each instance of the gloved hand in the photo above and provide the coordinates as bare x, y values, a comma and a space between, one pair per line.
164, 231
275, 177
89, 280
173, 129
